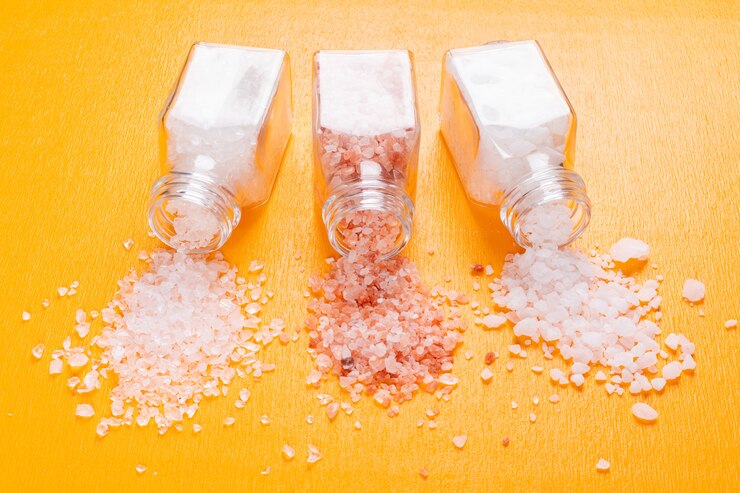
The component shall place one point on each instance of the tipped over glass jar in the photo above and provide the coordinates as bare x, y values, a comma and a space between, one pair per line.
223, 133
511, 132
366, 148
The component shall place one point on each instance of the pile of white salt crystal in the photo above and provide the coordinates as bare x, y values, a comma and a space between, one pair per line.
375, 326
584, 308
180, 331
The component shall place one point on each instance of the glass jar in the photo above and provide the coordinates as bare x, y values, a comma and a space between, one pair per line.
366, 146
223, 133
511, 132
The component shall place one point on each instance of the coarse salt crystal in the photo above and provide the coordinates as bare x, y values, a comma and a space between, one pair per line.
602, 465
313, 454
38, 350
493, 321
486, 375
357, 425
128, 244
288, 452
62, 291
460, 440
265, 420
229, 420
532, 417
554, 398
658, 383
26, 316
672, 371
78, 360
424, 473
693, 290
55, 366
628, 249
84, 411
448, 379
197, 428
731, 324
140, 468
643, 412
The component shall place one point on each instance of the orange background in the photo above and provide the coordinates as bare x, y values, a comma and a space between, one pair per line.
655, 86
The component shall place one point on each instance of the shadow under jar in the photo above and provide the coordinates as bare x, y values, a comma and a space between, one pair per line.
223, 133
366, 148
511, 132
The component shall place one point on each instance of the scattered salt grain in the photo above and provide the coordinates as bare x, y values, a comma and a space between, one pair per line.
140, 468
509, 366
55, 366
693, 290
532, 417
628, 249
645, 413
486, 375
493, 321
197, 428
514, 405
84, 411
38, 351
332, 410
265, 420
62, 291
423, 473
45, 303
128, 244
602, 465
505, 442
229, 420
313, 454
357, 425
489, 270
658, 383
288, 452
460, 440
77, 360
265, 471
25, 316
554, 398
672, 371
731, 324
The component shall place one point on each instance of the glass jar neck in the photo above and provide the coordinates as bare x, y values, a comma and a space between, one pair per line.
367, 196
202, 197
553, 186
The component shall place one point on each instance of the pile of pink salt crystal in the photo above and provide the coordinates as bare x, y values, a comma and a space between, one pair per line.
376, 231
176, 333
375, 326
587, 310
194, 227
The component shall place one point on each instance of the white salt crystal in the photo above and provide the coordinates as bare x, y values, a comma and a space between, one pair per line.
643, 412
460, 440
627, 249
128, 244
25, 316
556, 374
357, 425
288, 452
55, 366
493, 321
532, 417
672, 371
229, 420
658, 383
671, 341
554, 398
600, 376
603, 465
448, 379
77, 360
140, 468
84, 411
693, 290
313, 454
38, 350
577, 379
688, 363
197, 428
486, 375
731, 324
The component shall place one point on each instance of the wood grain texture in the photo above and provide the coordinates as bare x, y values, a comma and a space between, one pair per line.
655, 86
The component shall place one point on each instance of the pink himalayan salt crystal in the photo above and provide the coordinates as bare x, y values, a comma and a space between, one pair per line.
603, 465
492, 321
332, 410
423, 472
84, 411
645, 413
288, 452
460, 440
194, 227
374, 325
173, 335
25, 316
693, 290
38, 351
628, 249
582, 307
313, 454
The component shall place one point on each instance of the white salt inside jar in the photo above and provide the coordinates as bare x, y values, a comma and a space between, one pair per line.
224, 130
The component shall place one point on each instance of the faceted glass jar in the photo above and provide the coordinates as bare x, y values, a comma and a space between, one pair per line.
223, 132
366, 141
511, 132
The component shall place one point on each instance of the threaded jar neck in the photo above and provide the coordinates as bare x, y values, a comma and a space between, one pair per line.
372, 196
213, 213
554, 186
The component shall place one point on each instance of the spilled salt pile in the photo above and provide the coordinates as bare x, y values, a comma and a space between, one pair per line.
374, 324
587, 310
178, 332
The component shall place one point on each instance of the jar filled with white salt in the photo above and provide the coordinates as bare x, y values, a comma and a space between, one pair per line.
223, 133
511, 132
366, 147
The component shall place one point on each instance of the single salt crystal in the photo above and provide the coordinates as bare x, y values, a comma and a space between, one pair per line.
602, 465
256, 266
197, 428
265, 420
577, 379
62, 291
486, 375
688, 363
332, 410
672, 371
265, 471
554, 398
537, 369
140, 468
424, 473
448, 379
731, 324
514, 405
101, 429
643, 412
358, 425
693, 290
509, 366
84, 411
460, 440
26, 316
556, 374
532, 417
288, 452
77, 360
600, 376
229, 420
535, 400
493, 321
671, 341
628, 249
128, 244
244, 395
313, 454
38, 351
55, 366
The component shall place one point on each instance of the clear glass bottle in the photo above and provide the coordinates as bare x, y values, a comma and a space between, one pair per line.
511, 132
366, 144
223, 132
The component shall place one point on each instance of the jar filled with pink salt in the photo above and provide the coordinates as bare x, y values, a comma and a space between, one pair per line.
511, 132
223, 133
366, 146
